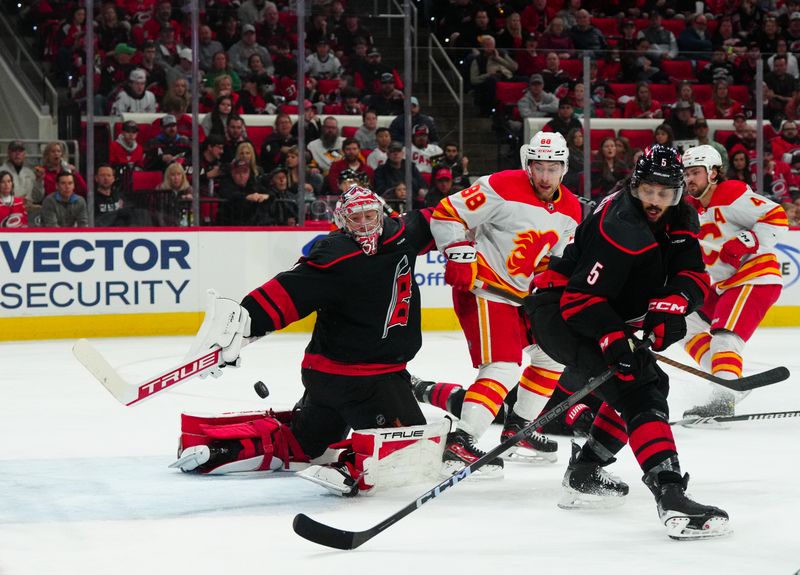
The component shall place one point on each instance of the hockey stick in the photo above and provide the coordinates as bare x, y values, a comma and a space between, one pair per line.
329, 536
727, 418
132, 394
745, 383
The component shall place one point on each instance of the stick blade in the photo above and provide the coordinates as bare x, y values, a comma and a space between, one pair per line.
774, 375
323, 534
102, 371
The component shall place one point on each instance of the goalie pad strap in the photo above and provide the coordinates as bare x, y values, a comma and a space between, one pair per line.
260, 434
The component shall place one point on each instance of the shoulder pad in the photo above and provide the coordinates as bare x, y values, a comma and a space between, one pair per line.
624, 227
684, 218
332, 249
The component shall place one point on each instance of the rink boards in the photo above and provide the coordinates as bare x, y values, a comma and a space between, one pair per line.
99, 283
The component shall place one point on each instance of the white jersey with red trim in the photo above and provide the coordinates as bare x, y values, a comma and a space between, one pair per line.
423, 157
515, 232
735, 207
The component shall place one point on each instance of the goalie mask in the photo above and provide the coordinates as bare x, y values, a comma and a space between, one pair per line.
545, 147
359, 214
659, 165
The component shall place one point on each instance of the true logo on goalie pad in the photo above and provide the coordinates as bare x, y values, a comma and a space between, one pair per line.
403, 434
201, 364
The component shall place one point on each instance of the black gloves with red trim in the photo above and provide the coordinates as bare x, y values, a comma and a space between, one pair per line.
617, 349
666, 320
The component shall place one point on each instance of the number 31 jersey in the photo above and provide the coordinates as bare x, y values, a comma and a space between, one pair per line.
514, 231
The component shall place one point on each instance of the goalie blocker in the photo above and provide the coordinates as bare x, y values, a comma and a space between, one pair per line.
263, 441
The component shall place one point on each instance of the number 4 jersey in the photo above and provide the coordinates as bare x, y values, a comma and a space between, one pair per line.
514, 231
733, 208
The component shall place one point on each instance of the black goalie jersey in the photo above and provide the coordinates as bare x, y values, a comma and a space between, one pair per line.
368, 307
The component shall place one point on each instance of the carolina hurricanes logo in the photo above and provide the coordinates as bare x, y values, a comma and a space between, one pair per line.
12, 221
530, 247
399, 307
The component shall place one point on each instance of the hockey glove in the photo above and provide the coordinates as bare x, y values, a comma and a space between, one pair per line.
226, 323
743, 244
461, 268
618, 352
666, 320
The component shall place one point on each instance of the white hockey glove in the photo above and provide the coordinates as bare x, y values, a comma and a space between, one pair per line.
226, 324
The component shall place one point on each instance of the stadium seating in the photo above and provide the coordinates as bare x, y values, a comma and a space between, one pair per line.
598, 134
146, 180
638, 138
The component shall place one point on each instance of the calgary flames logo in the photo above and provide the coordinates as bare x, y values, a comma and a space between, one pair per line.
530, 247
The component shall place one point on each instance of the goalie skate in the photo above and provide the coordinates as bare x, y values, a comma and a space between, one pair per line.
533, 449
335, 477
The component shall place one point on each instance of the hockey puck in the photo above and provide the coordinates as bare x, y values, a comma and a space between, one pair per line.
261, 389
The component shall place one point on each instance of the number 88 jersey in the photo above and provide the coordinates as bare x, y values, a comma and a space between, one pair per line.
514, 231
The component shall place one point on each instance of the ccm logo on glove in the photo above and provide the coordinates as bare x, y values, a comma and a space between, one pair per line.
742, 244
678, 305
461, 268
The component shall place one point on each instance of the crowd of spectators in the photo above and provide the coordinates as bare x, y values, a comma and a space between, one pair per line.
247, 66
700, 61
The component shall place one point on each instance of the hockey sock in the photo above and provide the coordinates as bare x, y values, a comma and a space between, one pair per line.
698, 347
484, 398
607, 436
535, 388
651, 439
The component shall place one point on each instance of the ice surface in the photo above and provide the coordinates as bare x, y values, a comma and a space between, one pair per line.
85, 489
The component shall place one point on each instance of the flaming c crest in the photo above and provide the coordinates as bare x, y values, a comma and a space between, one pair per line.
530, 247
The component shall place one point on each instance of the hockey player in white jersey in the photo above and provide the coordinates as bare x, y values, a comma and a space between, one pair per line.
500, 232
738, 232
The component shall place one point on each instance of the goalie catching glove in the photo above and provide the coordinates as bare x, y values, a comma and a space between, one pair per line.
225, 325
666, 320
461, 268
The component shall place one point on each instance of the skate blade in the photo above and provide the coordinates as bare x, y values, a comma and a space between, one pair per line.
571, 499
531, 456
677, 528
450, 468
707, 423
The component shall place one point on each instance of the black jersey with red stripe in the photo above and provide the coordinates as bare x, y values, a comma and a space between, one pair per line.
619, 262
368, 307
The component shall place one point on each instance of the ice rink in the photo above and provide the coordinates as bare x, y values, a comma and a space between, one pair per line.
85, 488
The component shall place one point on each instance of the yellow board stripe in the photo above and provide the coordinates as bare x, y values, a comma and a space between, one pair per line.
135, 325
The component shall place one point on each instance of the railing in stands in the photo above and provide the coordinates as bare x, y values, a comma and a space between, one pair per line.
390, 15
34, 79
458, 96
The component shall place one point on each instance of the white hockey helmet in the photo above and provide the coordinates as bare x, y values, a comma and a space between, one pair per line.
353, 215
705, 155
545, 147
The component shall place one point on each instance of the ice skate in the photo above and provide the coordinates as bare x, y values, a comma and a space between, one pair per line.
204, 457
722, 403
335, 477
586, 485
533, 449
460, 451
684, 518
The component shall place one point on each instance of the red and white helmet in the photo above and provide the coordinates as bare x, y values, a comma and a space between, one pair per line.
354, 215
545, 147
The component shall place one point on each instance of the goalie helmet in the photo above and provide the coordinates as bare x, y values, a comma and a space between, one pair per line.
545, 147
359, 214
705, 156
659, 165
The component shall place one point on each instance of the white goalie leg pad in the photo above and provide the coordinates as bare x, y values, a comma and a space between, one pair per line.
396, 456
225, 324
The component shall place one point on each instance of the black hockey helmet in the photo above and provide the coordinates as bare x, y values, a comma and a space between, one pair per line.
659, 165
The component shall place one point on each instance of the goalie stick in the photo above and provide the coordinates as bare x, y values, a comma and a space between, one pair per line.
133, 394
727, 418
744, 383
322, 534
